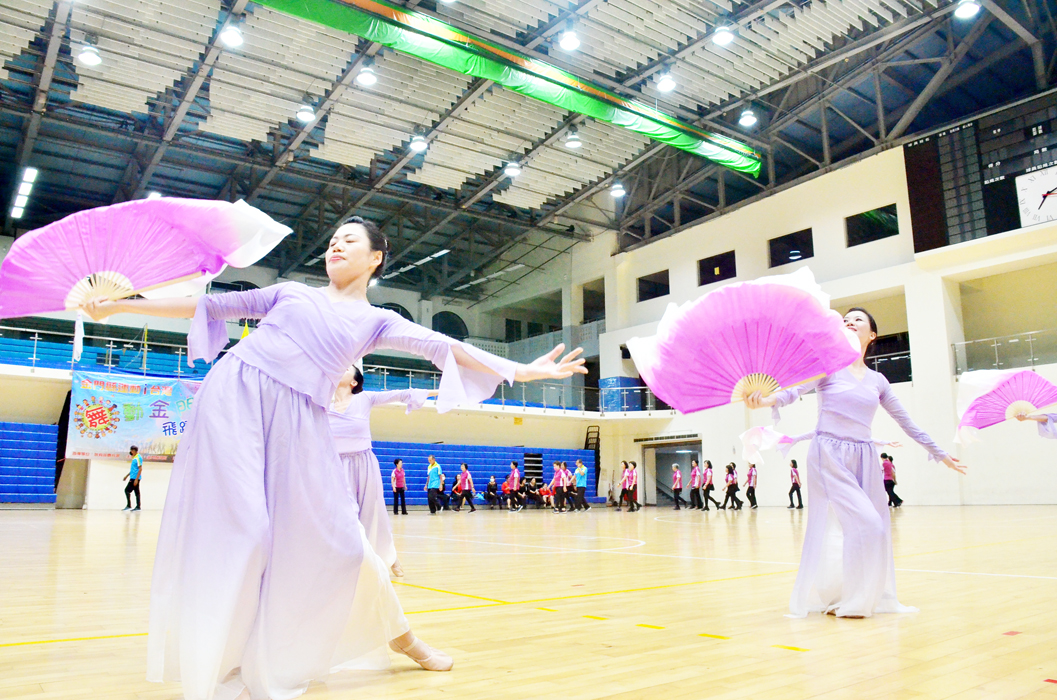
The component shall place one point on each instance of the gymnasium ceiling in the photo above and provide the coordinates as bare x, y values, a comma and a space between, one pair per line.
171, 109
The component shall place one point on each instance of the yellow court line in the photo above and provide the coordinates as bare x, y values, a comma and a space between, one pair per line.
713, 636
651, 627
782, 646
595, 617
653, 588
461, 595
73, 639
547, 609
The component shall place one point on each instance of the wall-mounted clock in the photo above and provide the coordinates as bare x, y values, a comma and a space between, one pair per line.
1037, 196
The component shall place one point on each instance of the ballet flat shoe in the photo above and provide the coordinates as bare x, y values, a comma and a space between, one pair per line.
425, 656
397, 570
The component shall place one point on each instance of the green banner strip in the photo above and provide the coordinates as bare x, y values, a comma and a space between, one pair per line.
440, 43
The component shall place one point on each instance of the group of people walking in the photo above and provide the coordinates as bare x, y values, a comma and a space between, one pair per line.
565, 492
702, 486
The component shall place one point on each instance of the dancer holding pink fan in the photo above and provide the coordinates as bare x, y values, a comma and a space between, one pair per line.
989, 397
261, 551
844, 478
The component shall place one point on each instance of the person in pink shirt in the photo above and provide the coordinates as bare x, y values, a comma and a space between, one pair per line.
623, 486
465, 482
557, 484
695, 486
794, 476
889, 468
750, 486
513, 483
677, 486
732, 489
633, 487
707, 485
398, 480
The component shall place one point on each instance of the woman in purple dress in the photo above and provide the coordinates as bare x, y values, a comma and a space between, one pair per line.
261, 551
350, 425
847, 505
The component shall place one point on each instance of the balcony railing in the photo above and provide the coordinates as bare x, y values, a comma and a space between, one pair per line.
1007, 351
36, 348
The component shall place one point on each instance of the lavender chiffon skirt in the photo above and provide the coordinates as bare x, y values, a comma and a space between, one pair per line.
847, 564
365, 479
261, 557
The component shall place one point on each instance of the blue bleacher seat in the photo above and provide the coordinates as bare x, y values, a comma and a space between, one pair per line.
27, 462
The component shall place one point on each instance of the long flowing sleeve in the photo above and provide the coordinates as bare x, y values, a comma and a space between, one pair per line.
1049, 428
209, 334
891, 403
414, 398
787, 396
458, 385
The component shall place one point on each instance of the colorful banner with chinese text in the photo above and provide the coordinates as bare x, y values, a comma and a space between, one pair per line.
111, 412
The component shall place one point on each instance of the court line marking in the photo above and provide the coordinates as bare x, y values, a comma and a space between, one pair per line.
73, 639
651, 627
548, 549
461, 595
713, 636
595, 617
782, 646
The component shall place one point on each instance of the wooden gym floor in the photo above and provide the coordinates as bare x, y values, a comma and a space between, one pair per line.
598, 605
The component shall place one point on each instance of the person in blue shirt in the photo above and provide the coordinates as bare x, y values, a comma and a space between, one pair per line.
135, 470
433, 486
581, 486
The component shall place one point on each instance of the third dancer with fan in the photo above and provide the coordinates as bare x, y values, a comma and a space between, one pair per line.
843, 476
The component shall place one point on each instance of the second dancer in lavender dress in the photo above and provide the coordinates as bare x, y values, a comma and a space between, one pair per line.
261, 553
350, 426
847, 566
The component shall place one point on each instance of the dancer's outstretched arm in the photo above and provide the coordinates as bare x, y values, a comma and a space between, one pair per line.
177, 307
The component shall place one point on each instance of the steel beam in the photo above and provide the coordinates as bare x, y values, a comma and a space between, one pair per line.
941, 75
40, 98
1033, 42
196, 79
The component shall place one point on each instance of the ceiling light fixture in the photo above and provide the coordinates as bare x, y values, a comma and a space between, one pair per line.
373, 282
748, 118
21, 201
306, 113
16, 213
666, 83
617, 190
231, 36
423, 261
418, 143
569, 40
25, 188
405, 268
512, 169
440, 253
572, 139
89, 55
724, 34
29, 175
967, 9
367, 77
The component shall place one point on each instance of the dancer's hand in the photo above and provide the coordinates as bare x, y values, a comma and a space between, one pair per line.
895, 443
757, 400
100, 308
954, 464
549, 367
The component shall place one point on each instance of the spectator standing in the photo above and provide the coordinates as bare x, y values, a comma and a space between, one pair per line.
633, 486
695, 486
750, 486
889, 467
708, 485
557, 486
794, 476
623, 486
398, 479
677, 485
581, 485
433, 485
513, 486
135, 471
466, 487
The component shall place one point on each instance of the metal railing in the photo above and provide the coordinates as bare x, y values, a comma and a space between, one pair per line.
53, 349
1007, 351
895, 366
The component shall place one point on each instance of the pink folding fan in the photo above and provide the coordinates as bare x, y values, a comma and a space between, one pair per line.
764, 335
1010, 393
